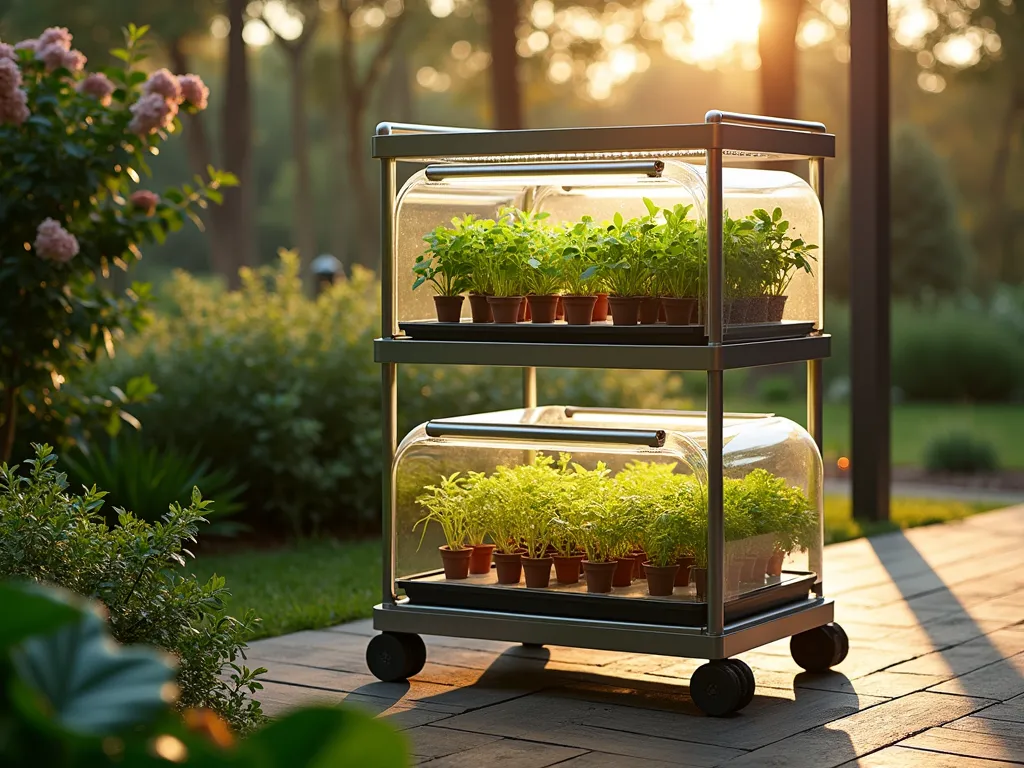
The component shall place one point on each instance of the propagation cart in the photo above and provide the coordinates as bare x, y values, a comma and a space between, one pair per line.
725, 623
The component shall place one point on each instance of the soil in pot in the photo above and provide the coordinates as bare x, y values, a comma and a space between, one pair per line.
623, 571
775, 563
505, 309
579, 310
538, 571
509, 567
568, 569
679, 311
649, 309
542, 308
480, 562
625, 309
456, 562
599, 576
775, 309
700, 580
683, 574
601, 308
660, 579
480, 308
448, 308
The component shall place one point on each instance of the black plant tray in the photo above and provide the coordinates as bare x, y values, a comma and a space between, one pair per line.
628, 604
600, 332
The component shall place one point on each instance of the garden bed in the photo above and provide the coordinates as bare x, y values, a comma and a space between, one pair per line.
601, 332
572, 601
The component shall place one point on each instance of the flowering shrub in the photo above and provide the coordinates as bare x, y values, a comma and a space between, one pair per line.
73, 148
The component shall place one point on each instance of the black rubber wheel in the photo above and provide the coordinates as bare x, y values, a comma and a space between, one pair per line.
819, 649
532, 645
747, 678
394, 656
717, 688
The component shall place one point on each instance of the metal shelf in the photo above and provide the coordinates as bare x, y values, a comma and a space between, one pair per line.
641, 357
740, 143
627, 637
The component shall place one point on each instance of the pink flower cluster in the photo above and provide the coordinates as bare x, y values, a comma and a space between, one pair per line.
97, 85
13, 99
53, 48
162, 92
145, 201
55, 243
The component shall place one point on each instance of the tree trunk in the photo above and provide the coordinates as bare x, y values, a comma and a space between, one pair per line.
7, 426
363, 231
236, 133
200, 156
339, 191
998, 231
303, 220
506, 94
777, 47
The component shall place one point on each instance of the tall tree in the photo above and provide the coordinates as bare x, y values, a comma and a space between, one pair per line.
776, 45
507, 99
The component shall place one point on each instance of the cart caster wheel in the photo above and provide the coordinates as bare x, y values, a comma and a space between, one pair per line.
821, 648
532, 645
394, 656
747, 678
718, 688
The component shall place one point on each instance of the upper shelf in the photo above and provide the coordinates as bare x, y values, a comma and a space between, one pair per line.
743, 139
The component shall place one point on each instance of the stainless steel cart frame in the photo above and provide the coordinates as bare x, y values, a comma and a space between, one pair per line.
722, 138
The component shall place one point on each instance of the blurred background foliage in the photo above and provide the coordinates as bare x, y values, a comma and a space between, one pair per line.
275, 393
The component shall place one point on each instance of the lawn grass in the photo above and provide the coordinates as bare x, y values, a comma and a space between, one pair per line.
914, 425
314, 584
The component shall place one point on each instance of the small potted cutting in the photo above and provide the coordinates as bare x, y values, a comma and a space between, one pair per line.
780, 258
583, 493
479, 492
446, 266
623, 269
579, 248
603, 542
743, 269
504, 527
651, 247
662, 542
679, 269
543, 280
478, 282
446, 505
798, 530
537, 489
508, 244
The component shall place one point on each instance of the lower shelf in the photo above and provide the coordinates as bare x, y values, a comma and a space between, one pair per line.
627, 604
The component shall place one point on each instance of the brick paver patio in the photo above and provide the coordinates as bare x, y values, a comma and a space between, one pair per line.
935, 677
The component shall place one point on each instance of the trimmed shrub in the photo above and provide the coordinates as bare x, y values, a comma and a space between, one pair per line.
284, 390
960, 452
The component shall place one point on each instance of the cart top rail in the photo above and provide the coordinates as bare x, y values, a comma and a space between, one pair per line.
742, 139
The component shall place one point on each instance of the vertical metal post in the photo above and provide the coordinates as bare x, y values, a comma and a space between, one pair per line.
529, 387
388, 376
869, 262
715, 402
815, 383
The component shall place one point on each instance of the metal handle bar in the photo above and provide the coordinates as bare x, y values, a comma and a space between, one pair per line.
652, 168
651, 438
572, 410
393, 129
717, 116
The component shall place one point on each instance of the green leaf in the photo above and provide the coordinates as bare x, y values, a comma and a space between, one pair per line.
29, 609
91, 685
652, 209
215, 196
120, 53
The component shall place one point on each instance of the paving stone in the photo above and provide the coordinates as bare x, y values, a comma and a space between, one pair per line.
508, 753
887, 684
974, 737
845, 739
430, 742
1011, 711
606, 760
961, 659
278, 700
1000, 681
901, 757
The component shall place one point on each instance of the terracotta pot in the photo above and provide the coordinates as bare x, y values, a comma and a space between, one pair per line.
700, 580
748, 564
599, 576
733, 574
743, 308
542, 308
639, 558
456, 562
560, 310
757, 309
623, 572
662, 317
775, 563
760, 568
625, 309
660, 579
683, 575
480, 308
509, 567
650, 306
776, 309
505, 309
538, 571
679, 311
524, 311
567, 569
601, 308
579, 310
480, 562
448, 308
